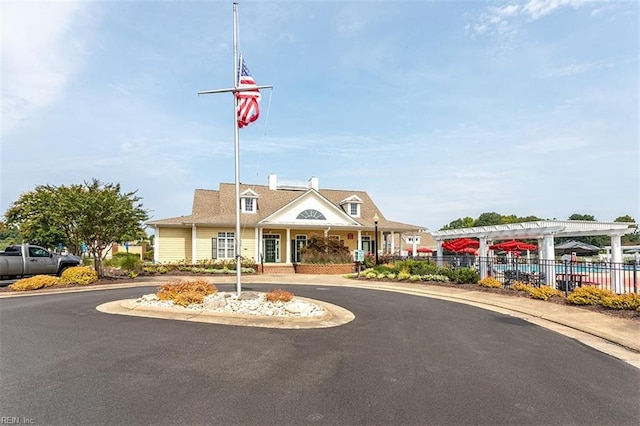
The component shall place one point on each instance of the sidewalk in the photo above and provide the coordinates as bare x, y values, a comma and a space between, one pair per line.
621, 332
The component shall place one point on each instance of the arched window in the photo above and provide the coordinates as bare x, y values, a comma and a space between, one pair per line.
311, 214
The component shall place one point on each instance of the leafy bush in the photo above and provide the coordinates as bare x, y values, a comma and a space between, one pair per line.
544, 293
588, 296
185, 293
490, 282
278, 295
34, 283
128, 261
369, 260
435, 278
464, 275
629, 301
403, 275
83, 275
416, 267
321, 249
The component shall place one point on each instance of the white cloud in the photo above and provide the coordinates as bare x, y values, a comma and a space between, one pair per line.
505, 20
43, 46
573, 69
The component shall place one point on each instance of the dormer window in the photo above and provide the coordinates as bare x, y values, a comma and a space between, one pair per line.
249, 205
248, 201
351, 205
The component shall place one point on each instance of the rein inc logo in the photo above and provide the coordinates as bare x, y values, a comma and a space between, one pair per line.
7, 420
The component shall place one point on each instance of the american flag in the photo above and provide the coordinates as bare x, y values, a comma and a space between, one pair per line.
248, 109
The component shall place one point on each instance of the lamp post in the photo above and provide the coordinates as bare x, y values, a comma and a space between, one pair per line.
375, 223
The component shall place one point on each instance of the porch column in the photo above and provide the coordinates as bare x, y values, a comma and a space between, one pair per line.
288, 251
359, 239
256, 250
483, 257
156, 244
393, 243
194, 240
616, 264
548, 258
439, 253
260, 246
414, 245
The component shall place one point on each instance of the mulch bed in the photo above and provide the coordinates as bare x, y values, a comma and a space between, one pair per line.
630, 315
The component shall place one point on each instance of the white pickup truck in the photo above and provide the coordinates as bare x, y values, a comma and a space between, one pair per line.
26, 260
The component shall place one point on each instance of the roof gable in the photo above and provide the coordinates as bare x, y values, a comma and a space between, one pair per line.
311, 200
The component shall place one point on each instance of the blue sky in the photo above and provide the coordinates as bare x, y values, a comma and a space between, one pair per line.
438, 109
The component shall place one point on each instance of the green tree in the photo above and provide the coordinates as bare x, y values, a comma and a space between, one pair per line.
586, 217
95, 213
633, 238
465, 222
9, 235
490, 218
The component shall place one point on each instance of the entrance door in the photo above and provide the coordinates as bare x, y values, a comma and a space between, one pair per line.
271, 246
366, 244
298, 244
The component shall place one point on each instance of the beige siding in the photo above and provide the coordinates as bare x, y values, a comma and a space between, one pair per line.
203, 241
175, 244
204, 236
248, 244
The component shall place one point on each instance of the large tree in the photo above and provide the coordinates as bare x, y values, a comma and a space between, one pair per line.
634, 237
94, 213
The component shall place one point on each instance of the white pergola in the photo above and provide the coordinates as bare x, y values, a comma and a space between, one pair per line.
544, 231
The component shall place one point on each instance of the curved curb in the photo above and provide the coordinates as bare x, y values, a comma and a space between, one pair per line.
574, 321
333, 316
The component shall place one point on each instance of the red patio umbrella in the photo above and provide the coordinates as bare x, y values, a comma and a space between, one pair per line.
467, 250
460, 243
513, 245
421, 249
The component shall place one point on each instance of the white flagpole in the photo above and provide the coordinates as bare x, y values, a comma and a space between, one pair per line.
236, 138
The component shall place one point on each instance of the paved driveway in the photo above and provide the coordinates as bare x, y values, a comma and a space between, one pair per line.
403, 360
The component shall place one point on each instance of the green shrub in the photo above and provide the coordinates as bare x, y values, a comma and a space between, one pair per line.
148, 255
465, 276
435, 278
588, 296
83, 275
490, 282
34, 283
416, 267
629, 301
128, 261
185, 293
544, 293
403, 275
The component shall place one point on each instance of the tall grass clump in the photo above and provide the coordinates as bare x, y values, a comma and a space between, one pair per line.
185, 293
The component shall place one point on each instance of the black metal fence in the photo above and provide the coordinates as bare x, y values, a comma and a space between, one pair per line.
564, 275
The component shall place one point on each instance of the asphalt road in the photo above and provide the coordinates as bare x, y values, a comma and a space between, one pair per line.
403, 360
